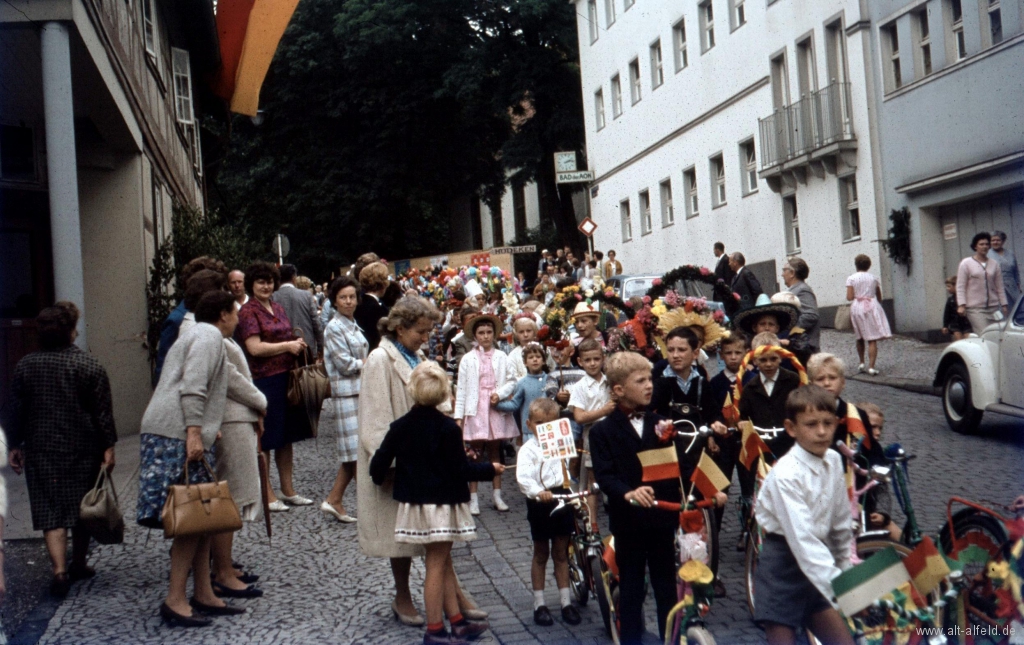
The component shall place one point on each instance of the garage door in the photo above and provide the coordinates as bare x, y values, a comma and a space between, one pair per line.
1001, 212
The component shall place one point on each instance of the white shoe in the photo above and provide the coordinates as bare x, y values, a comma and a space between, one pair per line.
474, 507
297, 500
341, 517
277, 506
872, 372
860, 368
499, 503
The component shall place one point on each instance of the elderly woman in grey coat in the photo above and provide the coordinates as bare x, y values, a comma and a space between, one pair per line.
179, 427
384, 397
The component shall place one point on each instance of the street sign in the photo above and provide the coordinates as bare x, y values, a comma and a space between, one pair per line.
577, 177
509, 250
281, 247
587, 227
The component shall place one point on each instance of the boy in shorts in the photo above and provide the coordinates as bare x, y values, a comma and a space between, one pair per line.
590, 400
805, 515
539, 479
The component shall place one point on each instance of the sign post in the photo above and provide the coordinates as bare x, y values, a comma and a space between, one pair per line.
587, 227
281, 247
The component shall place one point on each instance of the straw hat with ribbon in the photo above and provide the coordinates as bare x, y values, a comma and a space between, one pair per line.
473, 322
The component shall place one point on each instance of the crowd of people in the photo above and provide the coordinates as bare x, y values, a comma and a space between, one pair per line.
438, 379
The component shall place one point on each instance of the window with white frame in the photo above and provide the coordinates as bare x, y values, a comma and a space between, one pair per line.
739, 13
748, 158
599, 108
894, 77
646, 223
609, 13
956, 16
850, 207
792, 222
690, 184
995, 22
592, 19
616, 97
924, 43
182, 85
634, 81
626, 4
717, 181
148, 25
668, 216
679, 45
657, 71
707, 25
627, 225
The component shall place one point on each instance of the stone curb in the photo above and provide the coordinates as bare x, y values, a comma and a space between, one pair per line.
919, 386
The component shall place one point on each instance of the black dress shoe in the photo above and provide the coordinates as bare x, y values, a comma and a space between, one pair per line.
226, 610
173, 618
442, 638
542, 617
226, 592
76, 573
60, 585
571, 615
467, 630
248, 578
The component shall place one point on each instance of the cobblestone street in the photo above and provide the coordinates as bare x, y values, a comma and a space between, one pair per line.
321, 589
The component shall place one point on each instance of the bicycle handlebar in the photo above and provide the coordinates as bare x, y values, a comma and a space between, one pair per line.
677, 506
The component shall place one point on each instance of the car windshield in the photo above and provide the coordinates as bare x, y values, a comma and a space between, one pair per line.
637, 287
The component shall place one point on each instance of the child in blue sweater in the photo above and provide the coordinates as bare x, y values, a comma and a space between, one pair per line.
528, 388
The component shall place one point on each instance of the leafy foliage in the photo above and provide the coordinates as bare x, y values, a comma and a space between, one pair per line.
380, 114
898, 243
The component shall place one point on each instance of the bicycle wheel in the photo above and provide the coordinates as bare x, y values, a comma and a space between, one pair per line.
698, 635
710, 526
974, 530
579, 573
605, 598
750, 567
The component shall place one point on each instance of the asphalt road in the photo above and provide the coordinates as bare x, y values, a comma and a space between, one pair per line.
321, 589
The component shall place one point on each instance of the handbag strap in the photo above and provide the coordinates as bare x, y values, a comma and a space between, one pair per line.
102, 478
206, 464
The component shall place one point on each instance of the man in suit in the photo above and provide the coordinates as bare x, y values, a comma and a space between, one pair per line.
722, 270
744, 283
300, 305
644, 535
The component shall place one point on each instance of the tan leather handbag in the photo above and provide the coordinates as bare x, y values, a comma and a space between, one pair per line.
100, 512
199, 509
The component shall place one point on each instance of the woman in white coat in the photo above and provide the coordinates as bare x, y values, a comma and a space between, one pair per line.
383, 398
482, 374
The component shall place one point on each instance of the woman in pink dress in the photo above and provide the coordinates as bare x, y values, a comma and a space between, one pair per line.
481, 373
869, 322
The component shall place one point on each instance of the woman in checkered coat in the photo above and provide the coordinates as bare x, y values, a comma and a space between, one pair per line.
61, 431
345, 349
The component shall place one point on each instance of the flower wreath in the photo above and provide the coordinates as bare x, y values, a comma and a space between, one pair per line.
720, 290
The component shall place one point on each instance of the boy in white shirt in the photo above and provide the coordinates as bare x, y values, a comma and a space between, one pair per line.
805, 514
590, 400
551, 534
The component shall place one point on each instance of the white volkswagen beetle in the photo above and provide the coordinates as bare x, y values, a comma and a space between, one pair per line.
984, 372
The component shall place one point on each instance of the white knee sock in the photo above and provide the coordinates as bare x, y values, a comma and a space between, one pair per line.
472, 498
497, 493
563, 597
538, 599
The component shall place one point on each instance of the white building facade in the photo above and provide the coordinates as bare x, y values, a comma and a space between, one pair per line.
519, 211
740, 121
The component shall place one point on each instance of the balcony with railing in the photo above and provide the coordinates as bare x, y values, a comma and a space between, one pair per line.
810, 133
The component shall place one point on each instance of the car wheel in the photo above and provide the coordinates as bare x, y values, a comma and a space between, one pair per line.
961, 415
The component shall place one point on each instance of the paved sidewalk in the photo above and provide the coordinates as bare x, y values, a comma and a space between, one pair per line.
905, 363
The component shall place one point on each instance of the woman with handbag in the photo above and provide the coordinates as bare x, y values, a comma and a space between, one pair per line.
178, 431
345, 349
266, 334
61, 432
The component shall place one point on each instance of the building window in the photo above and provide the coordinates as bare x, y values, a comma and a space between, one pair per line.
626, 4
749, 159
657, 73
792, 224
679, 44
519, 210
717, 181
592, 19
182, 85
850, 207
634, 81
148, 29
627, 225
956, 13
739, 13
616, 97
707, 25
646, 224
892, 43
609, 13
599, 108
995, 22
924, 43
690, 183
497, 232
668, 216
